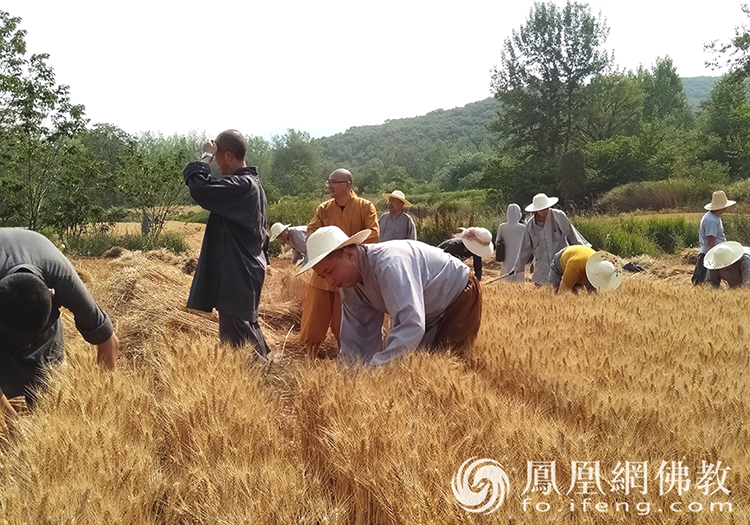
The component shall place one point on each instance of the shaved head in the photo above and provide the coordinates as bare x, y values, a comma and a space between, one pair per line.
232, 141
341, 174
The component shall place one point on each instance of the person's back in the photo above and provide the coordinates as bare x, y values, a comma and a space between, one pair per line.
36, 280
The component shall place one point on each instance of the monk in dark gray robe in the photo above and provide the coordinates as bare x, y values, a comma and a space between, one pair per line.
232, 264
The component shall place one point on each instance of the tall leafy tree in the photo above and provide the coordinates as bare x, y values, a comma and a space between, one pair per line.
614, 107
297, 163
734, 54
545, 66
39, 121
665, 100
726, 118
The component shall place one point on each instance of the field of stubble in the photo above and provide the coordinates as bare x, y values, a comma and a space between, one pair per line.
187, 431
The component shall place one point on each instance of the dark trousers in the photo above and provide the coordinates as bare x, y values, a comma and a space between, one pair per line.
699, 274
239, 332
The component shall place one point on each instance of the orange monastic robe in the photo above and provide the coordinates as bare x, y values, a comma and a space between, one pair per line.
322, 306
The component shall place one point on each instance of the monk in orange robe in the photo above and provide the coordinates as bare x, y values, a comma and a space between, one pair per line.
322, 306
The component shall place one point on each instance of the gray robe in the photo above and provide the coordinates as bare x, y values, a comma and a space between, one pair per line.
402, 227
411, 281
544, 242
298, 243
232, 266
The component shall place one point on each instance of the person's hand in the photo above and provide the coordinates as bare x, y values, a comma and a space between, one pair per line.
108, 352
210, 147
268, 271
10, 415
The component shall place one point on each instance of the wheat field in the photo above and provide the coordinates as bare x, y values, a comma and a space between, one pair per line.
187, 431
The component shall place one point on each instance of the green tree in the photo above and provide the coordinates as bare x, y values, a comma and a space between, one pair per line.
150, 175
665, 100
734, 54
571, 177
614, 106
545, 66
40, 123
726, 118
297, 163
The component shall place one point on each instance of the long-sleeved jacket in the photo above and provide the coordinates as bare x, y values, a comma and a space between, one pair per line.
232, 266
544, 242
22, 362
458, 249
358, 214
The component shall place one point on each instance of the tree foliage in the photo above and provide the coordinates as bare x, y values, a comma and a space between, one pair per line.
545, 66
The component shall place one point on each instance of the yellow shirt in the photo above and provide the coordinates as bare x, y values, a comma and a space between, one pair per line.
573, 265
358, 214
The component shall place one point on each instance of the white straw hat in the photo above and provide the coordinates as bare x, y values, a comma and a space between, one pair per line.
604, 271
719, 201
723, 255
478, 241
397, 194
541, 202
277, 229
326, 240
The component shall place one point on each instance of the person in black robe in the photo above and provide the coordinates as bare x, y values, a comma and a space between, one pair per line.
232, 263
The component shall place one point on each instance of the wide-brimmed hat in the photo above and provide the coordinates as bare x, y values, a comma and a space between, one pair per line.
326, 240
478, 241
397, 194
541, 202
719, 201
277, 229
723, 255
604, 270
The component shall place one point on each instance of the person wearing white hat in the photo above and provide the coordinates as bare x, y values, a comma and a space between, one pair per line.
322, 307
432, 298
581, 266
396, 224
711, 231
470, 242
295, 237
548, 232
728, 261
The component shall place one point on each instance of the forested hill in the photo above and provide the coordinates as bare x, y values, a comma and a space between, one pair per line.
420, 146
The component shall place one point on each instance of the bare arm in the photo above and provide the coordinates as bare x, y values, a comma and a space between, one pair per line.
711, 241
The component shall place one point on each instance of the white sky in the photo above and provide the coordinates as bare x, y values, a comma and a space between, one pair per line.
320, 66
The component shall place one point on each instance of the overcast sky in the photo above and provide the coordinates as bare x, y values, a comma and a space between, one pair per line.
320, 66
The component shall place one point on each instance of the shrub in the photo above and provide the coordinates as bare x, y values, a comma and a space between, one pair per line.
200, 216
630, 236
296, 211
97, 245
655, 195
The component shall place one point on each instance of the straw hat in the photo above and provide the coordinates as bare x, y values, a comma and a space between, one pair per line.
604, 271
326, 240
719, 201
397, 194
723, 255
541, 202
276, 230
478, 241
